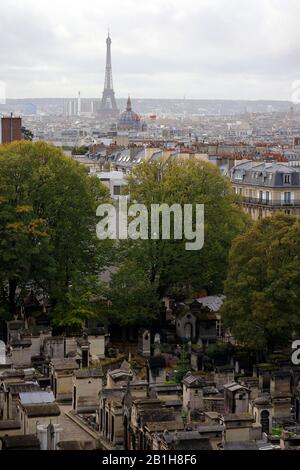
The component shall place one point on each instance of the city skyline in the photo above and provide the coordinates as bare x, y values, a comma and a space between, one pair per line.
204, 50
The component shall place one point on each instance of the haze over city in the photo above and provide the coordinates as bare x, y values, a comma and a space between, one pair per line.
197, 49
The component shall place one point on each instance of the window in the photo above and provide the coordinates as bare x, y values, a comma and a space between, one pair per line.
287, 179
117, 190
239, 175
287, 198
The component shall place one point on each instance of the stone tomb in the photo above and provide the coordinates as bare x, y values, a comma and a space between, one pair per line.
87, 384
61, 375
144, 343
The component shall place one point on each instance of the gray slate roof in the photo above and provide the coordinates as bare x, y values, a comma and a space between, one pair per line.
212, 302
193, 382
31, 398
234, 387
265, 174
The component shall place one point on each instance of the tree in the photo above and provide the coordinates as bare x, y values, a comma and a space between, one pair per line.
83, 300
262, 307
167, 264
132, 298
83, 150
183, 365
47, 224
27, 134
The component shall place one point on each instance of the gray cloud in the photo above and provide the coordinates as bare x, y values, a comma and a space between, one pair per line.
197, 48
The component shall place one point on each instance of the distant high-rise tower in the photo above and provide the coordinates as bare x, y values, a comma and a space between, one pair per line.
108, 107
79, 104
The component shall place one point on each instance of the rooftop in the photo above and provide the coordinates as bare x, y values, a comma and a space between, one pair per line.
86, 373
46, 409
64, 364
191, 381
234, 387
20, 442
30, 398
22, 388
238, 417
271, 174
187, 440
164, 425
10, 424
212, 302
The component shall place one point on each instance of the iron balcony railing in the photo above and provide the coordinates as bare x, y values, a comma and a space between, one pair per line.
269, 202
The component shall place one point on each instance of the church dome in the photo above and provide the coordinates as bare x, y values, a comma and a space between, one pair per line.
129, 120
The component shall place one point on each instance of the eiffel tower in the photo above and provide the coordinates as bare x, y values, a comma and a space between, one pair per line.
108, 107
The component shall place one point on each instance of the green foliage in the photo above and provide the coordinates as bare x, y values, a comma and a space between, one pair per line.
132, 298
150, 269
184, 413
48, 229
278, 358
80, 150
277, 431
183, 365
27, 134
220, 351
266, 366
165, 265
83, 300
262, 307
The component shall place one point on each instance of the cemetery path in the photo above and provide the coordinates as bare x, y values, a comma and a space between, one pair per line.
71, 430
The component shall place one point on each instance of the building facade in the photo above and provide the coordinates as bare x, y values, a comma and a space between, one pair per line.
10, 129
266, 188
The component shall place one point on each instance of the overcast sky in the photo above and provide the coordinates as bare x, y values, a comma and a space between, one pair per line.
206, 49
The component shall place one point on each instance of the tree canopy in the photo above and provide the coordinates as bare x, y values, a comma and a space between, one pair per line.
27, 134
48, 240
262, 307
165, 265
167, 262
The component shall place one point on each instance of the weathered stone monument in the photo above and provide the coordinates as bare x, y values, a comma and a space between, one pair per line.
2, 353
144, 343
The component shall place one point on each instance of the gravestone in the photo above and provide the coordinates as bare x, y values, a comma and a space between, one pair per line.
157, 351
144, 343
2, 353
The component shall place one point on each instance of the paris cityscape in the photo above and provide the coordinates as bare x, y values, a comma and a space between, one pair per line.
150, 233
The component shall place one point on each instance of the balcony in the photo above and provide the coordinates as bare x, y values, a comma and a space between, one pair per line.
268, 202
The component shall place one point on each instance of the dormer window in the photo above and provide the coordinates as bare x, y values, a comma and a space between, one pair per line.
287, 179
239, 175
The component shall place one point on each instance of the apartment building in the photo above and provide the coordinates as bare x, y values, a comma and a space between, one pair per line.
264, 188
10, 129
